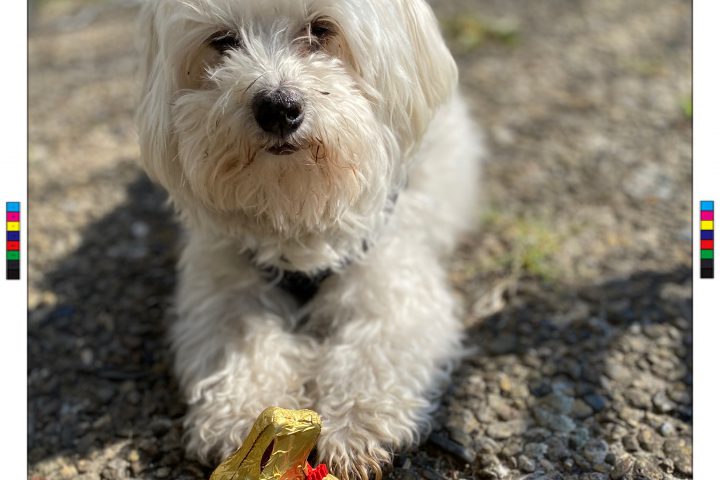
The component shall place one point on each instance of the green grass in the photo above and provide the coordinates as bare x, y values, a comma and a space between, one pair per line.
528, 246
467, 32
687, 107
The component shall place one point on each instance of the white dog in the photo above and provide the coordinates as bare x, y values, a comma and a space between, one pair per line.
323, 164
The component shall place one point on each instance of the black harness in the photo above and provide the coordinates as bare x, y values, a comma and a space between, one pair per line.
301, 285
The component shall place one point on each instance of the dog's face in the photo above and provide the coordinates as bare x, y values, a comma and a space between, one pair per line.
290, 114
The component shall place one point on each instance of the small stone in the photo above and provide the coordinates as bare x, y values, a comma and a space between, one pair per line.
578, 438
116, 469
86, 357
505, 384
648, 440
558, 402
646, 471
638, 398
666, 429
553, 421
594, 476
162, 472
556, 449
536, 450
680, 453
596, 402
512, 448
452, 447
662, 403
82, 466
623, 468
140, 229
136, 468
68, 472
525, 464
619, 372
503, 430
486, 459
133, 456
630, 443
630, 415
581, 410
500, 406
595, 451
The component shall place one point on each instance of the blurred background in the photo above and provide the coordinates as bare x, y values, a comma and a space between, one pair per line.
577, 285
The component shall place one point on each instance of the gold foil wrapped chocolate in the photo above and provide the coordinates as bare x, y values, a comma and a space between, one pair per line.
276, 448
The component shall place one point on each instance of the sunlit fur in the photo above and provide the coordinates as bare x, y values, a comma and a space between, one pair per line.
383, 182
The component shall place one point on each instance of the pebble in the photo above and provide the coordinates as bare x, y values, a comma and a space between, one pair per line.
162, 472
553, 421
623, 468
678, 450
638, 398
644, 470
578, 438
556, 449
500, 406
595, 401
525, 464
630, 443
581, 410
86, 356
662, 403
618, 372
502, 430
667, 429
558, 402
648, 440
536, 450
595, 451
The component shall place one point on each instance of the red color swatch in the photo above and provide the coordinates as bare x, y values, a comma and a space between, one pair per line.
706, 244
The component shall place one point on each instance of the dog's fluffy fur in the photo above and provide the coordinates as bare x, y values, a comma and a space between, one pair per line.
383, 181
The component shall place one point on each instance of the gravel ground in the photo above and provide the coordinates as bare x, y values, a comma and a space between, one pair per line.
578, 287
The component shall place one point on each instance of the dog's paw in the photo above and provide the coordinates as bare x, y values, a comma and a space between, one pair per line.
353, 454
358, 441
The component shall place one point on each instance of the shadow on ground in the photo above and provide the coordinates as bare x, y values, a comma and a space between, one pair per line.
99, 381
548, 369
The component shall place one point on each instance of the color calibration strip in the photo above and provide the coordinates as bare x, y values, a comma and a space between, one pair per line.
12, 242
707, 239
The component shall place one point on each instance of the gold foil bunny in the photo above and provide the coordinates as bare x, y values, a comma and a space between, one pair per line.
276, 449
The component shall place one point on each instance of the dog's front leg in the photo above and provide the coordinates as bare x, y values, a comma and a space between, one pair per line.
395, 335
234, 353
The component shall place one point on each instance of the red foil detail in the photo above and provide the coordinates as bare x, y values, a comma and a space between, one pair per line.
317, 473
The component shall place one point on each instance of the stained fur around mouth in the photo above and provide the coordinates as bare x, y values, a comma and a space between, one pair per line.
282, 149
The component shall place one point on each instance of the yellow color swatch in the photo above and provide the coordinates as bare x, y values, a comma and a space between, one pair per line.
706, 225
15, 226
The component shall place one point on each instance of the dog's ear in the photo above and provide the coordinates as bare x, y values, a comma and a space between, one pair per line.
157, 145
418, 73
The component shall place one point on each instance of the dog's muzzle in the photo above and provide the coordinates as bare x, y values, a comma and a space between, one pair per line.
280, 111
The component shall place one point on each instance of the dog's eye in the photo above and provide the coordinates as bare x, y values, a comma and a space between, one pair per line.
225, 41
321, 30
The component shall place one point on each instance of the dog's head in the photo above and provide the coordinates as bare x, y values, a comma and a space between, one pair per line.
294, 115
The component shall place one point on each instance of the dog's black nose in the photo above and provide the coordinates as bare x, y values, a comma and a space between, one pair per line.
279, 111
